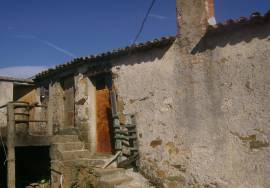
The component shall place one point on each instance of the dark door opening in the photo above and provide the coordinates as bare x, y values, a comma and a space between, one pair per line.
32, 165
3, 168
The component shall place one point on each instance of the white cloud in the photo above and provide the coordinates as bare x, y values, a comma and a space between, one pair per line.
158, 16
21, 71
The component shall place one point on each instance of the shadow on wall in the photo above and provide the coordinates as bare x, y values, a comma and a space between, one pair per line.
232, 34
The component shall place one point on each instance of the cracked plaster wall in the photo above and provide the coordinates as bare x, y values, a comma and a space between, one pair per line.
203, 119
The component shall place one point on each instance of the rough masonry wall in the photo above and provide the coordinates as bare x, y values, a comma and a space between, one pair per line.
202, 119
85, 108
55, 107
81, 105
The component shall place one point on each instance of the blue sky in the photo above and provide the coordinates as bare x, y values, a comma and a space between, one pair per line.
38, 34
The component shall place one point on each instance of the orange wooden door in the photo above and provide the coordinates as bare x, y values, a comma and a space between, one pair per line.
104, 121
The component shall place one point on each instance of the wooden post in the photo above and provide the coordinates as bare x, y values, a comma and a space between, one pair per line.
11, 147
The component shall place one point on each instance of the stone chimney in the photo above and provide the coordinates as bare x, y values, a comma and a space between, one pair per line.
193, 17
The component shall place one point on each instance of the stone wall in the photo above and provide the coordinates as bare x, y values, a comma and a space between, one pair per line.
85, 112
202, 118
83, 104
61, 115
56, 106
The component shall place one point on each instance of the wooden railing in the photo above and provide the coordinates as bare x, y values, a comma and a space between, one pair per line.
22, 116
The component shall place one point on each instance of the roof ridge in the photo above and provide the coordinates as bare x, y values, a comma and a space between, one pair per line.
12, 79
109, 54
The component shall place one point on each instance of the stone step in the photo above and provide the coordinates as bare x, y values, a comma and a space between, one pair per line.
91, 162
102, 156
68, 131
69, 146
109, 172
134, 184
129, 185
85, 162
112, 182
64, 138
75, 154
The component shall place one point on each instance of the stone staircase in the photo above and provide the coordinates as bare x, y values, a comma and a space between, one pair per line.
120, 178
67, 153
68, 149
69, 156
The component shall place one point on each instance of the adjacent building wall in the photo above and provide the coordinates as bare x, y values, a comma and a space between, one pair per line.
6, 90
31, 95
11, 91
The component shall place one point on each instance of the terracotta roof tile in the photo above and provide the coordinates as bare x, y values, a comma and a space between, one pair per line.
254, 18
107, 55
11, 79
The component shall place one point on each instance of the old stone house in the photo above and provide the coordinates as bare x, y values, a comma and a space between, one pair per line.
188, 111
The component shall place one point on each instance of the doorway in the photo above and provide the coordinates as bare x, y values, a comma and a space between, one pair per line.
104, 129
32, 165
